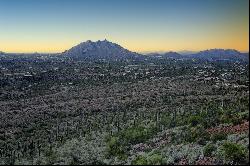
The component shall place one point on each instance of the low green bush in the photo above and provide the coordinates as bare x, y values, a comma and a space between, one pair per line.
197, 134
118, 144
195, 120
235, 153
155, 159
115, 147
150, 159
208, 149
244, 115
140, 160
218, 137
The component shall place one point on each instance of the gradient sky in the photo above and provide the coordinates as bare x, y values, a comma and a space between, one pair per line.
138, 25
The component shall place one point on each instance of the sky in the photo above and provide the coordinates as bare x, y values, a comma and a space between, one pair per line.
138, 25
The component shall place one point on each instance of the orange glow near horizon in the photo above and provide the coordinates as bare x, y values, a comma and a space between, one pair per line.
240, 44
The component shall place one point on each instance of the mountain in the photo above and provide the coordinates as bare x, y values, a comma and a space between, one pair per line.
170, 54
210, 55
99, 50
186, 52
220, 54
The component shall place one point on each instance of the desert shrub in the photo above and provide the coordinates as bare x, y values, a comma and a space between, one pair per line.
173, 154
140, 160
178, 134
244, 115
50, 155
208, 149
191, 134
236, 120
118, 144
195, 120
115, 147
203, 137
197, 134
225, 118
166, 120
234, 152
81, 151
136, 135
2, 137
218, 136
152, 158
155, 159
242, 139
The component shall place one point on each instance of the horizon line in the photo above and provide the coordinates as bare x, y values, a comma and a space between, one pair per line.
141, 52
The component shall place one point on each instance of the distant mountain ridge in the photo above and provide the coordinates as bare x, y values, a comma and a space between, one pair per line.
211, 55
187, 52
111, 51
221, 54
172, 54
